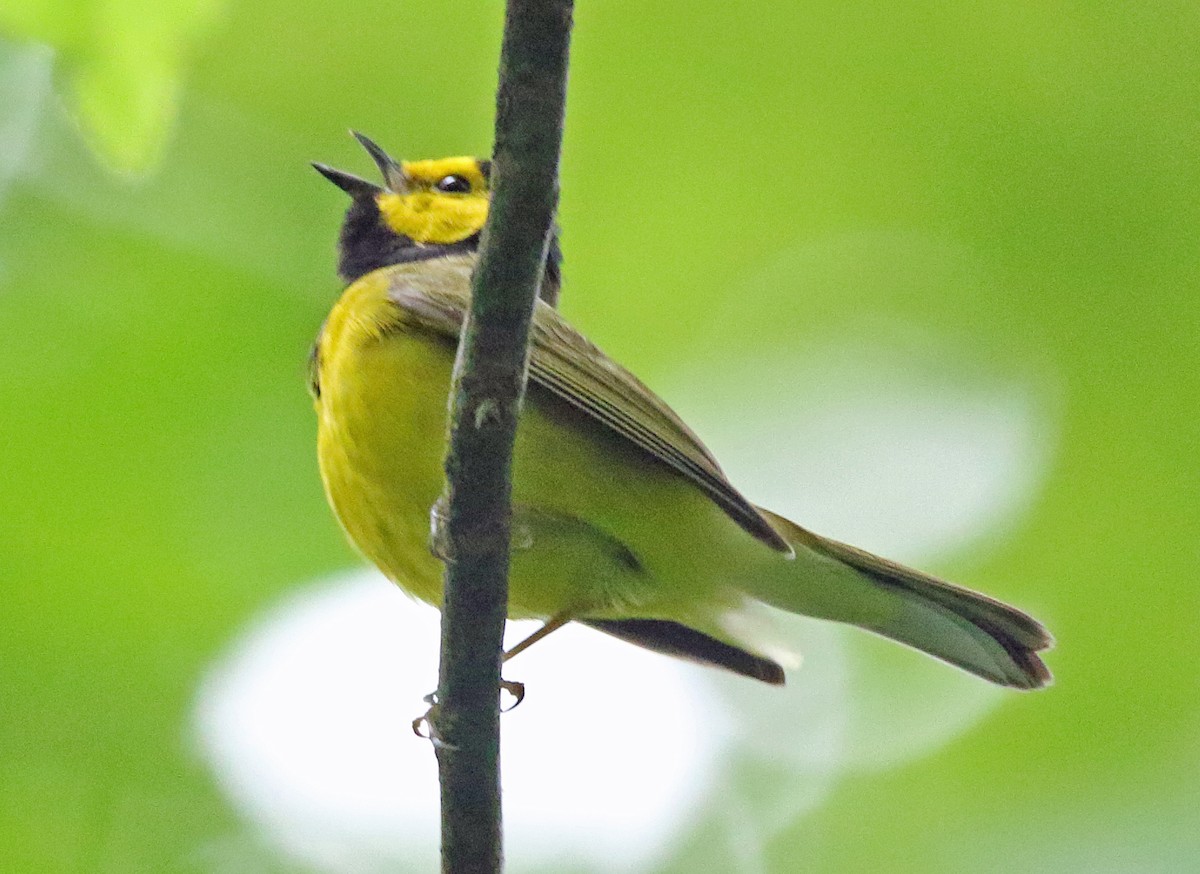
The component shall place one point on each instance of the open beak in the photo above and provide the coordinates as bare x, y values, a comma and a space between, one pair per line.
355, 186
393, 173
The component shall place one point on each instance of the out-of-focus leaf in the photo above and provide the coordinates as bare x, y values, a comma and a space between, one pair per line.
24, 84
122, 65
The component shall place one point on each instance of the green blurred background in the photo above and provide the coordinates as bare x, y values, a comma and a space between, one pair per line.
1019, 183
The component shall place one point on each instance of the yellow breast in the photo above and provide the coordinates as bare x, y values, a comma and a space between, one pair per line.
594, 522
381, 422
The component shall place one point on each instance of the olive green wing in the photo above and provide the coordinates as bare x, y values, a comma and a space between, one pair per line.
568, 365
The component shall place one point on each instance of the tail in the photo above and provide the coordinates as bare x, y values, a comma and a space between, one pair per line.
964, 628
681, 641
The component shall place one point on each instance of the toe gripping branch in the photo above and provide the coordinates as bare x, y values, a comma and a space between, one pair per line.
425, 725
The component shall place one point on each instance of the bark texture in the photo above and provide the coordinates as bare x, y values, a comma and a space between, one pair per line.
472, 522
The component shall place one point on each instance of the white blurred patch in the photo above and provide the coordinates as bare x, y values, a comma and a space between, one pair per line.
307, 726
873, 446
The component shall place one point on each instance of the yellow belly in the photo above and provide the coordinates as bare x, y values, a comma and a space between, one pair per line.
381, 478
596, 524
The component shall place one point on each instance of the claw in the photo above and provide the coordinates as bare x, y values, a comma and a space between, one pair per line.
426, 721
421, 722
517, 690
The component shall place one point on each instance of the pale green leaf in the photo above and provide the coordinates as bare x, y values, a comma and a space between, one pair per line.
121, 66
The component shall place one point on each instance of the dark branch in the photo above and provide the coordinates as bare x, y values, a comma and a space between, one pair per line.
486, 398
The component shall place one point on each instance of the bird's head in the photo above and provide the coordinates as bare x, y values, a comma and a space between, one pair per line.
426, 209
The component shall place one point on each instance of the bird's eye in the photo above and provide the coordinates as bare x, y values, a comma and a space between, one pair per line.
454, 185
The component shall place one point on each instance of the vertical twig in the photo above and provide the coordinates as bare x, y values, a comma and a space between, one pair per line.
489, 384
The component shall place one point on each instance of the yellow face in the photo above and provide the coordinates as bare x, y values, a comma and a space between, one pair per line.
444, 200
425, 209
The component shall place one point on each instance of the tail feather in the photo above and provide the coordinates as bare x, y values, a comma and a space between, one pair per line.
967, 629
681, 641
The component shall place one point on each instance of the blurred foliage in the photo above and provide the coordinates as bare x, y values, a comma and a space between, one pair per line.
123, 61
159, 475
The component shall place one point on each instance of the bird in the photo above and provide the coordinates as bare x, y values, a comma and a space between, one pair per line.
622, 519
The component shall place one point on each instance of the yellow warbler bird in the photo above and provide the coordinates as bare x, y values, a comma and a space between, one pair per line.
622, 519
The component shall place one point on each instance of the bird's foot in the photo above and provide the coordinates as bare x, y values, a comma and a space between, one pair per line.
425, 725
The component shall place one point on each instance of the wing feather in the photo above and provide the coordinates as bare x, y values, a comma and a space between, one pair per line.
565, 363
